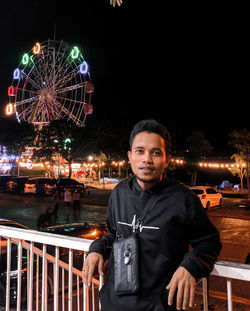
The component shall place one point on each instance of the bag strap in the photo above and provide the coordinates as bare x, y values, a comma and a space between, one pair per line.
149, 206
144, 213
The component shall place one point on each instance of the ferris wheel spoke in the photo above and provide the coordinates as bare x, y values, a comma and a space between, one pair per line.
71, 88
31, 81
34, 77
70, 100
67, 112
25, 112
26, 90
28, 100
39, 77
67, 78
79, 103
63, 68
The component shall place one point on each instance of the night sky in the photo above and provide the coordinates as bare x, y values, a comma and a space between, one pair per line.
184, 66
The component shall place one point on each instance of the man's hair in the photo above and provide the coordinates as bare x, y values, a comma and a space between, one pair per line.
151, 126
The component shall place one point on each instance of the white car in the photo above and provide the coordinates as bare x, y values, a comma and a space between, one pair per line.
209, 196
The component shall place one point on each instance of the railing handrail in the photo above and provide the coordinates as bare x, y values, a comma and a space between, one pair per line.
45, 237
222, 268
232, 270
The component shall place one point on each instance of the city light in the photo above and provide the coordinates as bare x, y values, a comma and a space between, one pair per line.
178, 161
216, 165
119, 163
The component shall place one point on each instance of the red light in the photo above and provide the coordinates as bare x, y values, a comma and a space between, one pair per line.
203, 197
12, 90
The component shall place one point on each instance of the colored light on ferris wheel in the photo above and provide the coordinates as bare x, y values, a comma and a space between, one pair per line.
37, 48
12, 90
9, 109
25, 59
75, 52
16, 74
84, 68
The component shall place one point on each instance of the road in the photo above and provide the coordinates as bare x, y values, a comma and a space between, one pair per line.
232, 221
26, 209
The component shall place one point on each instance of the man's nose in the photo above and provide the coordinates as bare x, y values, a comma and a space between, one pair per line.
147, 157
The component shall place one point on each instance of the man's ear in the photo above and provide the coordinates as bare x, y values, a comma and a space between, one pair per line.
168, 159
129, 154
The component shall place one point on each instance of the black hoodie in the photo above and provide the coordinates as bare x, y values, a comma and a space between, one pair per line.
176, 232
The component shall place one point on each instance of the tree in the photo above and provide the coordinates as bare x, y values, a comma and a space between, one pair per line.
99, 159
240, 140
62, 138
240, 168
198, 149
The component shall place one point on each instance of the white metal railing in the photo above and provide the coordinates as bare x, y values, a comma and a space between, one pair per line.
50, 277
229, 270
49, 259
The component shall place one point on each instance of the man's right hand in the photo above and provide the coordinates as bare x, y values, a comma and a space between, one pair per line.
92, 261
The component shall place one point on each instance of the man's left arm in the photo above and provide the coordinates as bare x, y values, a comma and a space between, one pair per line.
205, 242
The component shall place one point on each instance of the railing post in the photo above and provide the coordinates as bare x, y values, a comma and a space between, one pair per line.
30, 288
100, 287
44, 278
8, 274
229, 295
56, 279
19, 275
205, 293
70, 280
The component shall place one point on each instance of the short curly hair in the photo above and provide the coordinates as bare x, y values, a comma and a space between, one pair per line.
152, 126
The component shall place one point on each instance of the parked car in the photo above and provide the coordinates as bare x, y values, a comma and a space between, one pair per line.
42, 186
86, 230
67, 183
16, 184
3, 182
50, 186
209, 196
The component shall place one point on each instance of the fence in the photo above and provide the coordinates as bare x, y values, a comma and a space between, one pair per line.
42, 271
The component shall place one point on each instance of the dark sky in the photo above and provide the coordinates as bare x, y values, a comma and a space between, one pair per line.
184, 66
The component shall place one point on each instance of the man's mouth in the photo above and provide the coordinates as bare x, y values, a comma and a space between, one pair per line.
147, 169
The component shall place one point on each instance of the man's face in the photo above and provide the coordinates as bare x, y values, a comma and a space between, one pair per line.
148, 158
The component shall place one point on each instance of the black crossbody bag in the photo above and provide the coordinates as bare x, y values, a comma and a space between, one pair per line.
126, 259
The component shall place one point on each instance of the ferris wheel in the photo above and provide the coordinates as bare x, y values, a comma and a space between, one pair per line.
51, 82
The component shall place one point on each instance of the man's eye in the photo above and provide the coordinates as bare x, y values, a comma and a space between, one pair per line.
156, 153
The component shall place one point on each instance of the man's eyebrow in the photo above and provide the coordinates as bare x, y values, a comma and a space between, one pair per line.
139, 147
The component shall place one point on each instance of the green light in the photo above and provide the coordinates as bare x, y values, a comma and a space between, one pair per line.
25, 59
75, 52
67, 140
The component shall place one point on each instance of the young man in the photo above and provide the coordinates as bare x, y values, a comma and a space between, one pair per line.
176, 220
